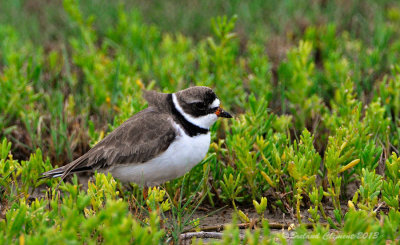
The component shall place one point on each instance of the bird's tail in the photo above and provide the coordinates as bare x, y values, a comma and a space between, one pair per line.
58, 172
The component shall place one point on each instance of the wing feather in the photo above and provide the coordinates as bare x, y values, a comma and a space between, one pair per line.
139, 139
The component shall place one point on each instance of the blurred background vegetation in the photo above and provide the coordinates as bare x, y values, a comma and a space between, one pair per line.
47, 22
52, 30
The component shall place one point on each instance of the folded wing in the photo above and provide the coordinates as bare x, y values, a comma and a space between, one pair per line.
139, 139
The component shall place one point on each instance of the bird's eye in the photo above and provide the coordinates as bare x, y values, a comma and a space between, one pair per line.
199, 105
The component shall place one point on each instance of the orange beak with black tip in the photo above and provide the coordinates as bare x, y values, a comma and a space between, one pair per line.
221, 113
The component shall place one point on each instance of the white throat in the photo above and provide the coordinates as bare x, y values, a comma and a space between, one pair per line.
205, 121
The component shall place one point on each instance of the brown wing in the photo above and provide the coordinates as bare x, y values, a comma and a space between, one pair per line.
139, 139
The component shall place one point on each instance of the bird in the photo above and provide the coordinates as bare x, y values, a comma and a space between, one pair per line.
160, 143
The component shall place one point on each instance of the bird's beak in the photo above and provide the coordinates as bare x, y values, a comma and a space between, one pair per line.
221, 113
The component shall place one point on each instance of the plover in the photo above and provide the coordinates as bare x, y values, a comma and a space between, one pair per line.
159, 143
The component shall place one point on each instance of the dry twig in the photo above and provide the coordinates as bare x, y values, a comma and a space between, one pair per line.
203, 235
247, 225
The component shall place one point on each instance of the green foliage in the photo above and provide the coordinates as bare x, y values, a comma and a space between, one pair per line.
316, 107
297, 86
20, 178
303, 159
54, 219
304, 162
370, 188
231, 187
155, 200
316, 196
391, 186
261, 207
102, 189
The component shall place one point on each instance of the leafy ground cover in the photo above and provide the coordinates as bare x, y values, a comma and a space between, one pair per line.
315, 138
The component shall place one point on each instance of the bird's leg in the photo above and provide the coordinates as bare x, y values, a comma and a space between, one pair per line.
145, 196
145, 192
177, 196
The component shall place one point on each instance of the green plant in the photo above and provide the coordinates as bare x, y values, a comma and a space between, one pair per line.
391, 186
304, 163
261, 207
369, 191
316, 106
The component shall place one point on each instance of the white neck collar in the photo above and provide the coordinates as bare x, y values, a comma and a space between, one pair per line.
204, 122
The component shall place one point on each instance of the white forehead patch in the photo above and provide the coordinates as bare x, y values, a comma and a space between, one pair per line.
205, 121
215, 103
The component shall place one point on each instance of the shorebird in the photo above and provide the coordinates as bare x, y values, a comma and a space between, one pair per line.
158, 144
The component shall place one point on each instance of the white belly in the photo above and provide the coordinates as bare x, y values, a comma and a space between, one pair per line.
181, 156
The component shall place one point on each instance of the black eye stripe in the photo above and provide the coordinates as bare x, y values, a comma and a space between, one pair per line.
210, 97
189, 127
199, 105
202, 108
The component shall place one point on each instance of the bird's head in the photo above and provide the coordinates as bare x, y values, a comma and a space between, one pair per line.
199, 105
